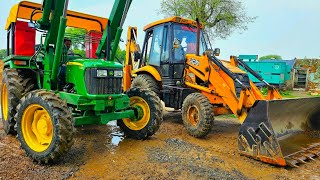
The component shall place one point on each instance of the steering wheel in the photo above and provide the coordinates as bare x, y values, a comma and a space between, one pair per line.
77, 55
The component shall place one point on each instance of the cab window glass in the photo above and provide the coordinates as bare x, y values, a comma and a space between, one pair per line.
186, 36
156, 46
165, 49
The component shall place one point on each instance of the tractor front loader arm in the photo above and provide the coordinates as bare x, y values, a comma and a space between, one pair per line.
273, 93
218, 79
112, 33
53, 21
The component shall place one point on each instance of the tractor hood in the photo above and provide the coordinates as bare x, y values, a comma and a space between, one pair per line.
95, 63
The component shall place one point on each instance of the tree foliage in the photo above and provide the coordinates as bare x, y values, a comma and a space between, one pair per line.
3, 53
77, 36
220, 17
80, 52
271, 56
120, 55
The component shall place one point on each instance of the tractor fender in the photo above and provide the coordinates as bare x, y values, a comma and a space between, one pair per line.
150, 70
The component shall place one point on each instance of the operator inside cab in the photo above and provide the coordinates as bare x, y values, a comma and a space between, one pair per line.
186, 38
67, 52
68, 43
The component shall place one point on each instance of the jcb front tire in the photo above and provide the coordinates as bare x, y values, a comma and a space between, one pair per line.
44, 126
197, 115
14, 86
150, 122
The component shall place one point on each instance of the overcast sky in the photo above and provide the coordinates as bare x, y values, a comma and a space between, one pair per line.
284, 27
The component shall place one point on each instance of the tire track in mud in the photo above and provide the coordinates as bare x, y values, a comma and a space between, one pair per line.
189, 160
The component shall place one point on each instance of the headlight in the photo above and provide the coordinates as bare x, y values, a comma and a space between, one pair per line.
118, 73
102, 73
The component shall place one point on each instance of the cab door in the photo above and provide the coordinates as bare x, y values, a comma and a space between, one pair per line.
156, 50
183, 41
177, 60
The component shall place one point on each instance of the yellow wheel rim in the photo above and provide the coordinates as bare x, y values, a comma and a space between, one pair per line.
193, 115
4, 102
140, 124
37, 128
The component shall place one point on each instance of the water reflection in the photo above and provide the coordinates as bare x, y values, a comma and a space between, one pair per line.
116, 135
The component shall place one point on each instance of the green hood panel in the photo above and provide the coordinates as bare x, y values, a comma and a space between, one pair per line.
95, 63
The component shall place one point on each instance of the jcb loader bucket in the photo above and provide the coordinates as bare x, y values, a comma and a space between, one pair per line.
282, 132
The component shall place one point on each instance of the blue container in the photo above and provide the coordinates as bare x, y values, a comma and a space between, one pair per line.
273, 71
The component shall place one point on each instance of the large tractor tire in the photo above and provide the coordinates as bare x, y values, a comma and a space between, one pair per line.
150, 122
44, 126
146, 81
13, 88
197, 115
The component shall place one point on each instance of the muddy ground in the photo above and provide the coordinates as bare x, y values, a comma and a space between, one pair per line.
100, 152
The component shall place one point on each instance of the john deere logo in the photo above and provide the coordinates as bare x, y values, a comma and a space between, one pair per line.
111, 73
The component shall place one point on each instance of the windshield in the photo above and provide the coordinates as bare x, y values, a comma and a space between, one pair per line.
187, 36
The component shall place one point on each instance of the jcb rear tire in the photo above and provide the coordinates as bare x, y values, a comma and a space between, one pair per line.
44, 126
147, 126
197, 115
14, 86
145, 81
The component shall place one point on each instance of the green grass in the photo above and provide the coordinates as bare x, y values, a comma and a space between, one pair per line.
309, 94
284, 94
287, 94
228, 116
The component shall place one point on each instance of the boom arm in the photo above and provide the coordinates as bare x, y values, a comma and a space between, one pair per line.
219, 79
272, 91
112, 32
54, 21
132, 52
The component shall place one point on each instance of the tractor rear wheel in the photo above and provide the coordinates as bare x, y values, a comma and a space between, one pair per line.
146, 81
44, 126
148, 102
14, 86
197, 115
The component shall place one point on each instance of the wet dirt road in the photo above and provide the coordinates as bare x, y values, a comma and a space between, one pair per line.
100, 152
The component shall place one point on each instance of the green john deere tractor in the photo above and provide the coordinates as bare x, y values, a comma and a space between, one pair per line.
46, 91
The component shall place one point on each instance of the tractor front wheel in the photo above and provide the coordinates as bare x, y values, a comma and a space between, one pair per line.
197, 115
150, 107
44, 126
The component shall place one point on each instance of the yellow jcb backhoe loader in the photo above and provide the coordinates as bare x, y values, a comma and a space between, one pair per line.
177, 64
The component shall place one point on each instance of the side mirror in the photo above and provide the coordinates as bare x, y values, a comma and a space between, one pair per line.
216, 51
176, 43
137, 56
31, 25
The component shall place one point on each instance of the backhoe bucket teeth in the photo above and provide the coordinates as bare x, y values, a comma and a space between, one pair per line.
282, 132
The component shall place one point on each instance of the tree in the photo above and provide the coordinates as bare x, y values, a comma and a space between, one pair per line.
120, 55
77, 36
220, 17
3, 53
271, 56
